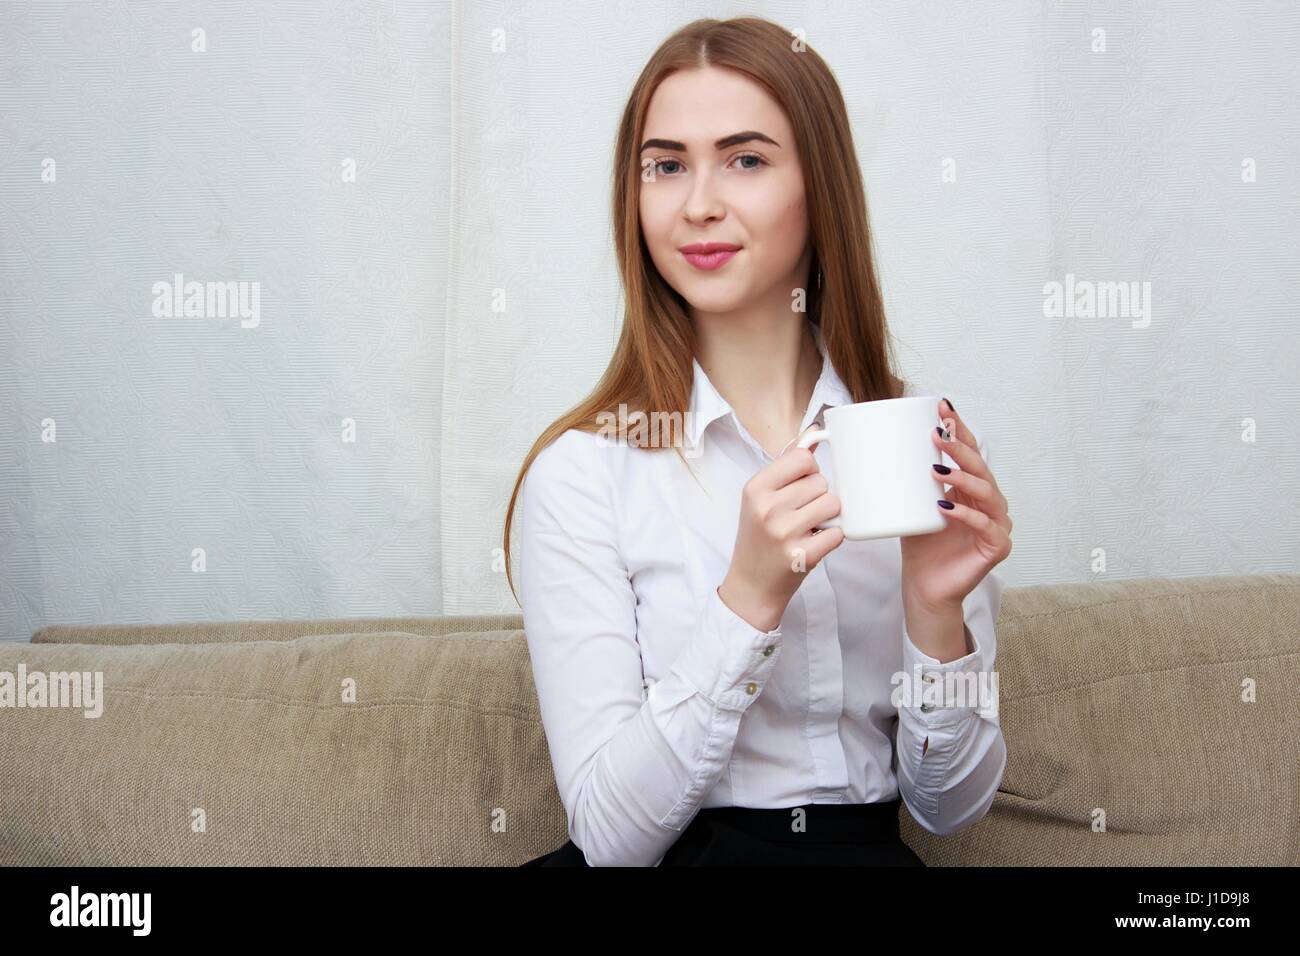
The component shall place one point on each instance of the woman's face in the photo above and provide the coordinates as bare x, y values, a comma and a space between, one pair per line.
747, 192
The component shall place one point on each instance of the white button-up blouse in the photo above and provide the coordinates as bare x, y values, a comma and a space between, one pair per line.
657, 700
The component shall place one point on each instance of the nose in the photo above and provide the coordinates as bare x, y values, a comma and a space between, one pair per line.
703, 204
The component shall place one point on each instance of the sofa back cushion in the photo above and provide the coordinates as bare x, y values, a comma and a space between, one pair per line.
213, 632
1125, 698
253, 753
1164, 709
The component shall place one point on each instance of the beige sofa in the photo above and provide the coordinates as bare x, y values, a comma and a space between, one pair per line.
233, 744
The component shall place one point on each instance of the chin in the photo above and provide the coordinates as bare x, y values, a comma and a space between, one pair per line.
720, 299
715, 304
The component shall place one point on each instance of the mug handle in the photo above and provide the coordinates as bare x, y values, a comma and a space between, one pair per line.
809, 438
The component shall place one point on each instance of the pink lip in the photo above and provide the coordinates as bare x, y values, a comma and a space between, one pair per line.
709, 247
709, 255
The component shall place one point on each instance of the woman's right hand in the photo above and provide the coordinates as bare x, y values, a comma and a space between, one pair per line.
776, 541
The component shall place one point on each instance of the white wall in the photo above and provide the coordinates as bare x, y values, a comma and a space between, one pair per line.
185, 433
481, 134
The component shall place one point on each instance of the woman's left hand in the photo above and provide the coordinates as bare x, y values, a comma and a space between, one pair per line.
941, 568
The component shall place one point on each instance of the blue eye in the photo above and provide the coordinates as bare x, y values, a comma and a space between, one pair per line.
659, 164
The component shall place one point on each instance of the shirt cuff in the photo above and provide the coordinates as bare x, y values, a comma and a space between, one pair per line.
937, 699
728, 660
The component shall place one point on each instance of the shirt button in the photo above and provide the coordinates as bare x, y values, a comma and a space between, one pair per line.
751, 688
926, 708
928, 678
767, 651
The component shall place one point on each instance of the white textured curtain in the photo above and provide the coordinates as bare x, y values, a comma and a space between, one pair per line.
420, 193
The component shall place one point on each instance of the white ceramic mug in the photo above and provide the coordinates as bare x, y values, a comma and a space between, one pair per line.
881, 462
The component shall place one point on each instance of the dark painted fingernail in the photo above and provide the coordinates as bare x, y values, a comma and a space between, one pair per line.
943, 469
945, 503
950, 404
942, 434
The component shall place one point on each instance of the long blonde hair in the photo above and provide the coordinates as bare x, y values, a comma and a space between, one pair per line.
652, 366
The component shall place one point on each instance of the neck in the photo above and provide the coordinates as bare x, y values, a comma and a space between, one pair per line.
765, 367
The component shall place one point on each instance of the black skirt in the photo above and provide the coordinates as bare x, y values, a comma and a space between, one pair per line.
833, 834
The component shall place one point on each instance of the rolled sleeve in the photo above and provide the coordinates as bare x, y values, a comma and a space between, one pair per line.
951, 753
730, 660
942, 711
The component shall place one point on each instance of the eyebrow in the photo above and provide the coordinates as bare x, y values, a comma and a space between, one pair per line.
733, 140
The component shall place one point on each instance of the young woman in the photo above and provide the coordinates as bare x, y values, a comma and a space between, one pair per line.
715, 674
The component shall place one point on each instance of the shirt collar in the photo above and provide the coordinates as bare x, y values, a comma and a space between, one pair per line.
707, 405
